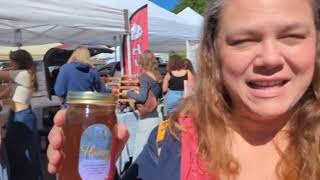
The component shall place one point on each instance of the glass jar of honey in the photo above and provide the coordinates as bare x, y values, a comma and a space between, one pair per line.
89, 137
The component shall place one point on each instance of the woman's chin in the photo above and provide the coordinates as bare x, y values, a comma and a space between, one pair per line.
269, 113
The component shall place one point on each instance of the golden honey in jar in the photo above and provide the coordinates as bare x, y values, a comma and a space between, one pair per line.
89, 137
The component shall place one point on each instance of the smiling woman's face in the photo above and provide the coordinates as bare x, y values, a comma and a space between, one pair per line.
267, 49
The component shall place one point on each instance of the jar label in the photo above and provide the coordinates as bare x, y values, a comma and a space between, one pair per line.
95, 151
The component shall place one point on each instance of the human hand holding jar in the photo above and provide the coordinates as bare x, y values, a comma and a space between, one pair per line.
92, 160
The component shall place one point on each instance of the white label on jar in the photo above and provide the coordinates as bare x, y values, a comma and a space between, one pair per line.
95, 151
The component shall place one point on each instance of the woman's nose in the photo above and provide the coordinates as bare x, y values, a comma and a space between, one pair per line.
270, 58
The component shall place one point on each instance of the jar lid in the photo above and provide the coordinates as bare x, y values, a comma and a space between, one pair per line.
88, 97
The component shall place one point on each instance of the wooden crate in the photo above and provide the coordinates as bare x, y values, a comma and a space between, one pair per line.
121, 84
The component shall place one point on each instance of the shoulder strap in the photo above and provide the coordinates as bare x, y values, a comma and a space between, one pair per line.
161, 134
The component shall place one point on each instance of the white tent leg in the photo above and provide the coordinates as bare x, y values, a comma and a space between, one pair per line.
129, 55
121, 57
188, 49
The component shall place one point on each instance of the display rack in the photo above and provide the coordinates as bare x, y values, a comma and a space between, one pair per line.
119, 85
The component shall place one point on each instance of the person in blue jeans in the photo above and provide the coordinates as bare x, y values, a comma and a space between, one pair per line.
175, 82
4, 165
22, 141
78, 74
149, 80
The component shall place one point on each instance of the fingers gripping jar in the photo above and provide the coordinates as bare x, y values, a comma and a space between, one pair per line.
89, 137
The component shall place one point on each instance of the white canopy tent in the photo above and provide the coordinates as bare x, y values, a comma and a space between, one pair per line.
167, 31
90, 22
191, 17
34, 22
31, 22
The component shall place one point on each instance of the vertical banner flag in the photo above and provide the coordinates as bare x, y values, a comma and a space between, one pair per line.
138, 39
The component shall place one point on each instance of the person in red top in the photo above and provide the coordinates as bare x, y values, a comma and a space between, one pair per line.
254, 113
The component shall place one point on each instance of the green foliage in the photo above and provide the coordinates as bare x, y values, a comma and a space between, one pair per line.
197, 5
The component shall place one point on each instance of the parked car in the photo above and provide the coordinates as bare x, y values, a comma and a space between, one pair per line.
114, 68
110, 69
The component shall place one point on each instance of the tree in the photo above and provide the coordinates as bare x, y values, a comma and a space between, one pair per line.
197, 5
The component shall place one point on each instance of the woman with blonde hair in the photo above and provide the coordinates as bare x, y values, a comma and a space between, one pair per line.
255, 110
149, 79
22, 141
78, 74
82, 55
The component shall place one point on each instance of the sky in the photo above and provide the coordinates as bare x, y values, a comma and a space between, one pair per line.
167, 4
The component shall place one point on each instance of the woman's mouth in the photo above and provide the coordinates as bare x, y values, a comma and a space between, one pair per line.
266, 88
266, 84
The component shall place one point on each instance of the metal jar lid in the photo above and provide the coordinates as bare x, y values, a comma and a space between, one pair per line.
93, 98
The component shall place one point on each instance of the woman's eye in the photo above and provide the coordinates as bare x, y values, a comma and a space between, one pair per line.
241, 42
293, 39
295, 36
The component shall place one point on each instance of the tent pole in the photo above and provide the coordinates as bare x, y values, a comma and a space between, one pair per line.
121, 57
127, 24
115, 52
129, 55
115, 48
18, 38
188, 49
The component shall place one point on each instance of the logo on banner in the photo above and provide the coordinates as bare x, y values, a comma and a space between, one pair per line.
136, 31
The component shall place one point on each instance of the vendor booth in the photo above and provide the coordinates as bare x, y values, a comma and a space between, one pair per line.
90, 22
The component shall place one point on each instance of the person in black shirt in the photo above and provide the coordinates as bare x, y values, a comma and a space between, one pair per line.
175, 82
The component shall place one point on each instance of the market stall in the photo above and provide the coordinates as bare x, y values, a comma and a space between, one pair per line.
33, 22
